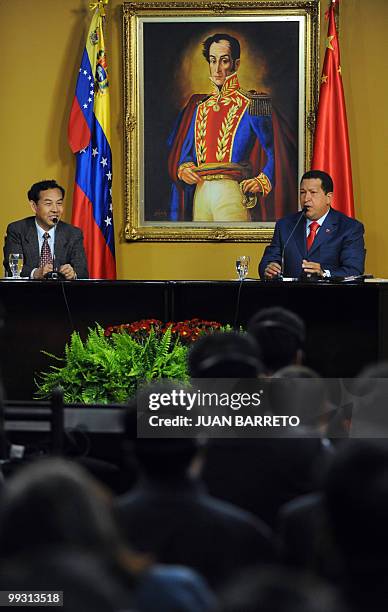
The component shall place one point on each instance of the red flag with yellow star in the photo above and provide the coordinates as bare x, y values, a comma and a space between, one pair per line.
331, 142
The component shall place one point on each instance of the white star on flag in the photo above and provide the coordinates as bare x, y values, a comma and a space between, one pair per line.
108, 221
104, 161
85, 106
109, 175
95, 152
85, 72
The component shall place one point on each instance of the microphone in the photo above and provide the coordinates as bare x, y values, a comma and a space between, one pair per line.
55, 221
54, 275
302, 216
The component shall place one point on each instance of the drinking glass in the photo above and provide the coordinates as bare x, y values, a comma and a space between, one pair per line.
242, 265
16, 264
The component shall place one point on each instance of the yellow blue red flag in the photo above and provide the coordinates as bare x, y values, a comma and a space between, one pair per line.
89, 139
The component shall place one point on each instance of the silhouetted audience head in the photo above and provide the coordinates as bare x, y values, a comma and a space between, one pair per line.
298, 390
54, 503
369, 393
279, 590
281, 336
375, 370
365, 383
3, 440
225, 355
57, 532
356, 494
160, 458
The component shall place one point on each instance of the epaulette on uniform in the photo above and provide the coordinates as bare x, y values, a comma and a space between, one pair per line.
259, 103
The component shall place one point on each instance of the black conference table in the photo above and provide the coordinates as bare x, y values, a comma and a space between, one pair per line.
347, 323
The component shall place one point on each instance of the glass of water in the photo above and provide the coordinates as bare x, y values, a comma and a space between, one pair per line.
242, 266
16, 264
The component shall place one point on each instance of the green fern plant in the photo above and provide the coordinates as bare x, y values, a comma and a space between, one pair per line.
109, 369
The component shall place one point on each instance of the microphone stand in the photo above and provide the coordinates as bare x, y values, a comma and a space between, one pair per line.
55, 274
302, 216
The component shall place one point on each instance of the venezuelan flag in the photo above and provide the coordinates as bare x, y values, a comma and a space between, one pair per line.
89, 139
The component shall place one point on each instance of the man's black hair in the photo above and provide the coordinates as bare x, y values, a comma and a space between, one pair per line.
356, 495
279, 333
159, 458
326, 180
234, 45
34, 193
225, 355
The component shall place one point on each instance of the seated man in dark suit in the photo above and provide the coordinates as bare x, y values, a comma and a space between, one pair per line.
326, 242
169, 516
44, 240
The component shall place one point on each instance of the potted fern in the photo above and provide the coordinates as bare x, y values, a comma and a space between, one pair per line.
111, 363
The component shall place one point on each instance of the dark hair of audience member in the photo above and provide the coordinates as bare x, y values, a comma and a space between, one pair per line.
298, 390
53, 503
159, 458
278, 590
365, 382
3, 441
281, 336
225, 355
368, 400
356, 493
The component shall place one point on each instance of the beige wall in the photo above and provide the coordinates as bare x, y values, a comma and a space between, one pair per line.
42, 41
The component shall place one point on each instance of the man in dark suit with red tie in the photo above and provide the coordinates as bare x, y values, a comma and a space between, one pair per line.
326, 242
45, 241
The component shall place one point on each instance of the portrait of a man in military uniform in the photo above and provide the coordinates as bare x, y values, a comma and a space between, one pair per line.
215, 154
220, 122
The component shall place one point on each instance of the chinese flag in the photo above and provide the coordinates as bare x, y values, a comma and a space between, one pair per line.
331, 142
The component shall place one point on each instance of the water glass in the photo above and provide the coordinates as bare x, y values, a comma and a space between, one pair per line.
242, 266
16, 264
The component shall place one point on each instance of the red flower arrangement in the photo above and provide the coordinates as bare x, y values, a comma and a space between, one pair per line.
186, 331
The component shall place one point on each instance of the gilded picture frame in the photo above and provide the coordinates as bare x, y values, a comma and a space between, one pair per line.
166, 70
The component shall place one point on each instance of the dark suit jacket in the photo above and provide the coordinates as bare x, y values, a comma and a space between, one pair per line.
22, 237
179, 523
338, 246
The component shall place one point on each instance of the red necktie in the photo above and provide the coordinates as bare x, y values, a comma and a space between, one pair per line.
45, 254
313, 232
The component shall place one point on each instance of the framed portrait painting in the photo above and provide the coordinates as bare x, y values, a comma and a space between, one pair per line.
219, 109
